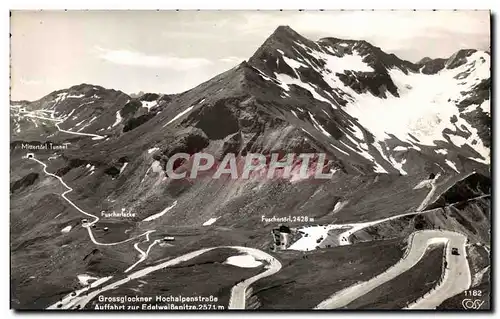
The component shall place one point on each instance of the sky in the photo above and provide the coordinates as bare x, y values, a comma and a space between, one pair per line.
170, 52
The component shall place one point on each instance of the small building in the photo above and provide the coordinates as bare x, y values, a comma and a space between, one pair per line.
105, 228
284, 229
168, 238
30, 155
281, 237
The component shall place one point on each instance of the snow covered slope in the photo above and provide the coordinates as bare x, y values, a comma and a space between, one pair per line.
381, 106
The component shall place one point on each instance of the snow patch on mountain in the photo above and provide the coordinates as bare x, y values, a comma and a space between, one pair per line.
69, 115
91, 168
243, 261
149, 104
340, 150
341, 64
390, 159
210, 221
123, 168
163, 212
75, 96
285, 80
294, 64
59, 98
472, 140
364, 153
441, 151
84, 279
311, 238
86, 103
336, 64
425, 106
66, 229
118, 119
357, 132
86, 125
486, 107
179, 115
318, 126
338, 206
452, 165
80, 123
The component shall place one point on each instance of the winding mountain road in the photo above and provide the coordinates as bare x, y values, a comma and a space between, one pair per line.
88, 226
144, 254
456, 279
59, 121
238, 292
343, 238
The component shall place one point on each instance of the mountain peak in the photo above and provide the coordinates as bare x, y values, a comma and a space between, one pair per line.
432, 66
285, 30
459, 58
282, 37
82, 88
424, 60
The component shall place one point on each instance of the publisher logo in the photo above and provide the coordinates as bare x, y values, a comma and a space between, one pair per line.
472, 304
